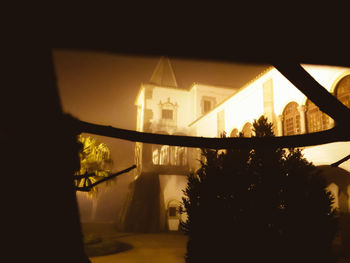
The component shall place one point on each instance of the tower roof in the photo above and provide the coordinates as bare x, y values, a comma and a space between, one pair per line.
163, 74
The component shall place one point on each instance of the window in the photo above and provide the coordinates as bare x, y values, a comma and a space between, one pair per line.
167, 114
164, 155
155, 156
234, 133
207, 106
172, 211
247, 130
342, 91
291, 119
316, 119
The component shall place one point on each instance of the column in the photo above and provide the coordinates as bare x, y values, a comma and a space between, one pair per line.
280, 125
302, 110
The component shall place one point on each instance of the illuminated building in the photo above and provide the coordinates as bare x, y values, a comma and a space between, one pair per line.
208, 111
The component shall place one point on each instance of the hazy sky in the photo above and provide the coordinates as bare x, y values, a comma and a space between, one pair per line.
102, 87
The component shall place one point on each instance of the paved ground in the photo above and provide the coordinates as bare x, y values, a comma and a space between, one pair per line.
149, 248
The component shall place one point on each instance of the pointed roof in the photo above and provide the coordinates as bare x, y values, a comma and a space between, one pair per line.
163, 74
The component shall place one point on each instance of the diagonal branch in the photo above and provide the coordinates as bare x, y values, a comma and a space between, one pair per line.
327, 103
332, 135
295, 73
89, 187
336, 164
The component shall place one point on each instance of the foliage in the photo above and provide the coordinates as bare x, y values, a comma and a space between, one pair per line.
95, 158
256, 205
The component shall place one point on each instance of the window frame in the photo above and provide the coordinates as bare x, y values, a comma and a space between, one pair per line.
167, 116
291, 124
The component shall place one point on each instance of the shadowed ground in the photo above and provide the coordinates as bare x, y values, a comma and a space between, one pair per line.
166, 247
155, 248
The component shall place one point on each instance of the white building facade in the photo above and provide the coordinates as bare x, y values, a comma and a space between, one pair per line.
208, 111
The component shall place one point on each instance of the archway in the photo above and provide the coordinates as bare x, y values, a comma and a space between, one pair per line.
291, 119
316, 120
247, 130
164, 155
160, 153
173, 215
179, 153
342, 91
234, 132
155, 156
339, 182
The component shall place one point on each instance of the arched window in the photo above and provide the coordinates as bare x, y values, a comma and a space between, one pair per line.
164, 155
180, 154
183, 155
316, 120
234, 133
174, 215
172, 155
155, 156
342, 91
247, 129
291, 119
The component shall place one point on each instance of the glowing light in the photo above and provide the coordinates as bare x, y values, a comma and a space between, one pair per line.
95, 158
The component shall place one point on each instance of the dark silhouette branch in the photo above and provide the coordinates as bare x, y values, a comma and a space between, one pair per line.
297, 75
87, 188
327, 103
336, 164
333, 135
85, 175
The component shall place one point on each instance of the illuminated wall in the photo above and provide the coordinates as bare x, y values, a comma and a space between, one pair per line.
173, 99
170, 110
207, 111
249, 103
200, 93
140, 103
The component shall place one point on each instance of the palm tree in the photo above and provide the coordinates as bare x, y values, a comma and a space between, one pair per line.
95, 160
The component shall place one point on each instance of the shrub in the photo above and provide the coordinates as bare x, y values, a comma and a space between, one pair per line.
256, 205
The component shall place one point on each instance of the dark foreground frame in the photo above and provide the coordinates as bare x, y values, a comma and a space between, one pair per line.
40, 154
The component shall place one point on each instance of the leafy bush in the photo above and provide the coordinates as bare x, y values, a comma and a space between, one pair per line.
258, 205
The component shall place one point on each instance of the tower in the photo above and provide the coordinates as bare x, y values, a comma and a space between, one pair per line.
162, 107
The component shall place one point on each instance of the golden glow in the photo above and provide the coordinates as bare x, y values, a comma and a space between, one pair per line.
95, 158
140, 103
248, 104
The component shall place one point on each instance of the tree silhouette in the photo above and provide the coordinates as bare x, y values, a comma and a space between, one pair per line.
258, 204
95, 165
38, 113
95, 159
